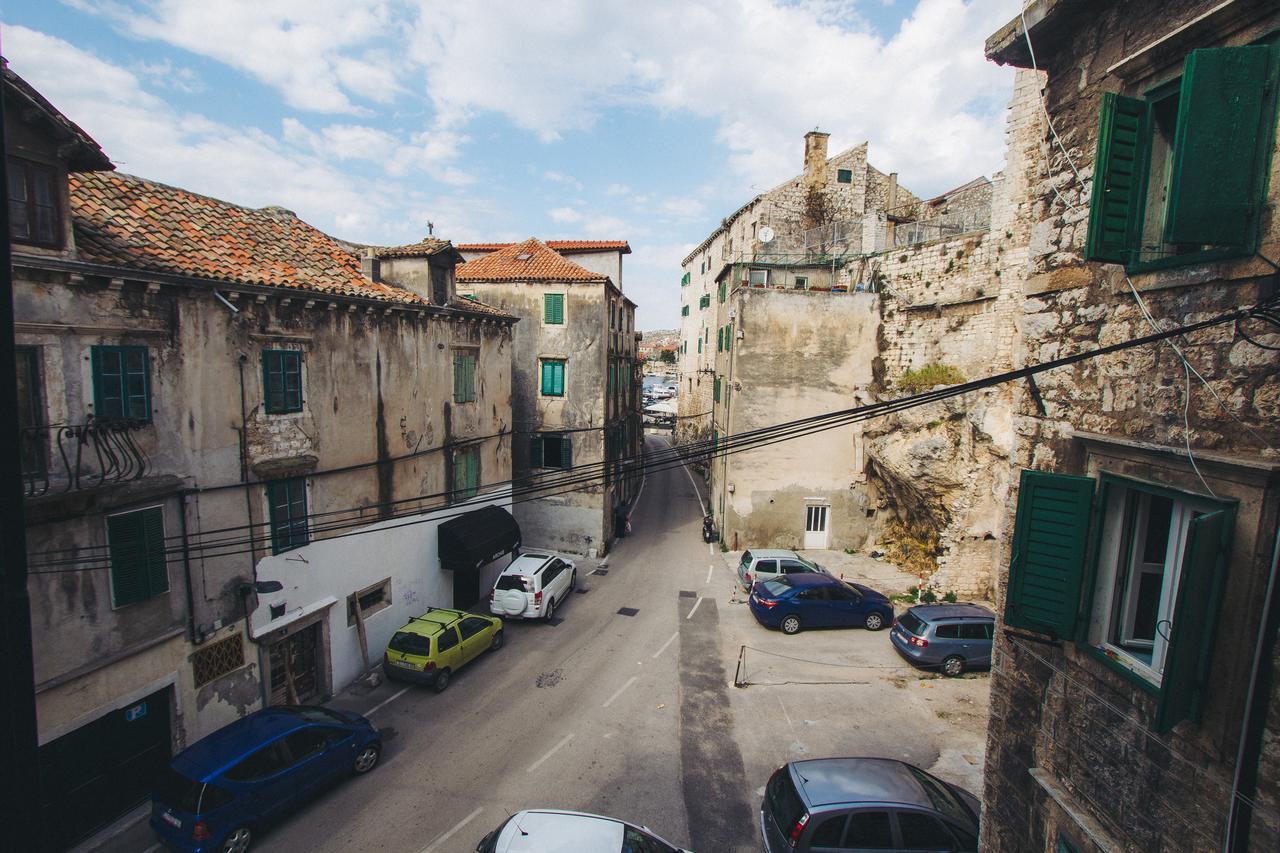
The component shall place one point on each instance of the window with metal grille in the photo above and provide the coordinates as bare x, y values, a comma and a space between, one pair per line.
371, 599
215, 660
282, 380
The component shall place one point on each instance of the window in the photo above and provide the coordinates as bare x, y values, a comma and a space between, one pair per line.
439, 285
448, 639
307, 742
287, 502
466, 472
699, 344
869, 831
31, 418
1179, 173
723, 290
976, 631
923, 832
553, 309
553, 377
471, 626
550, 450
844, 176
121, 383
728, 337
33, 204
268, 761
828, 833
1153, 590
684, 310
371, 599
801, 283
135, 544
947, 632
715, 391
211, 662
464, 376
759, 278
704, 301
684, 279
720, 339
282, 380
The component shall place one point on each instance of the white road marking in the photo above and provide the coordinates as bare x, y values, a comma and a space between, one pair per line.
711, 568
784, 710
711, 549
153, 848
630, 681
706, 510
435, 845
694, 609
669, 641
535, 765
386, 702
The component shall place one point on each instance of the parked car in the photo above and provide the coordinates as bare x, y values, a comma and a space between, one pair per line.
817, 600
950, 637
533, 586
554, 831
219, 793
865, 804
762, 564
435, 645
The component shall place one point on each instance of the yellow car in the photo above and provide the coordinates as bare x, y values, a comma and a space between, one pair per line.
437, 644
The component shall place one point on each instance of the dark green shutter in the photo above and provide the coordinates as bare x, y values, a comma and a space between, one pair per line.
535, 451
1186, 666
722, 290
1213, 192
728, 337
546, 378
272, 381
292, 380
1123, 139
553, 308
1046, 566
153, 546
566, 452
715, 390
135, 542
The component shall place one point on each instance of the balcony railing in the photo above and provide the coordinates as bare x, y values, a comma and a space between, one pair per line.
70, 457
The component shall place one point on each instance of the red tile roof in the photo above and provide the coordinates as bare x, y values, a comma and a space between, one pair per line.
562, 246
424, 248
124, 221
531, 260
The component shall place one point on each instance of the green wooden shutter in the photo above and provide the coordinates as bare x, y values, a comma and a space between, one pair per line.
153, 547
1123, 140
126, 543
728, 337
1214, 187
566, 452
553, 308
715, 391
546, 378
1046, 567
272, 381
1184, 683
292, 380
535, 451
722, 290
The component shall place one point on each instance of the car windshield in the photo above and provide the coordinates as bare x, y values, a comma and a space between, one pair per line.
776, 587
746, 560
913, 623
178, 792
517, 582
943, 800
813, 567
410, 644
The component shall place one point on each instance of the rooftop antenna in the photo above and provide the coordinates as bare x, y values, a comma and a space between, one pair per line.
431, 228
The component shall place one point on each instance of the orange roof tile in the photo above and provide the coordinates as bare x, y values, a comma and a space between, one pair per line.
124, 221
562, 246
531, 260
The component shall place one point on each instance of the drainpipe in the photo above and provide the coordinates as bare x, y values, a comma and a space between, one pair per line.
186, 568
248, 514
1244, 786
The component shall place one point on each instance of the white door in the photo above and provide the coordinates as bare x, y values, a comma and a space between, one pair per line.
815, 526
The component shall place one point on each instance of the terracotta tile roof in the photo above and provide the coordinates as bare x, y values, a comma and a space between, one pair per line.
85, 154
124, 221
424, 248
531, 260
561, 246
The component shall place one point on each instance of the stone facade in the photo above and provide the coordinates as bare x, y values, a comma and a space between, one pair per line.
1090, 745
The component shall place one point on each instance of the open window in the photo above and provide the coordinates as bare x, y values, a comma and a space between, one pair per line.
1151, 591
1180, 173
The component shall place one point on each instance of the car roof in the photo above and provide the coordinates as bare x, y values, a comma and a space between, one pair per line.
810, 579
527, 563
228, 744
938, 612
433, 621
826, 781
554, 830
771, 553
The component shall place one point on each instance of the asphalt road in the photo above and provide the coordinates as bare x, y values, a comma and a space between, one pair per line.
624, 715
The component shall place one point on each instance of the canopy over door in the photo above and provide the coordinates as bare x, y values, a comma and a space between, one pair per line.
477, 537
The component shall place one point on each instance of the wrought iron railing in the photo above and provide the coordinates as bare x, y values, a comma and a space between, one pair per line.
69, 457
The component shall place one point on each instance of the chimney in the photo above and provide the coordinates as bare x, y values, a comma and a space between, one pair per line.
815, 153
370, 266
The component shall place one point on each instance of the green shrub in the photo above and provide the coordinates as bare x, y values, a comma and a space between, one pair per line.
928, 376
928, 597
950, 597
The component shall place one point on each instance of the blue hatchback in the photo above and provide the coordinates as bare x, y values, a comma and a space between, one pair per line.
814, 600
219, 793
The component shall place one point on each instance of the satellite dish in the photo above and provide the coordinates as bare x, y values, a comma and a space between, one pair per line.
765, 234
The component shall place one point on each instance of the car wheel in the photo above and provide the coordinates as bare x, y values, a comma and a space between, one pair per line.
442, 680
791, 624
238, 841
953, 666
573, 580
367, 759
496, 642
551, 609
875, 622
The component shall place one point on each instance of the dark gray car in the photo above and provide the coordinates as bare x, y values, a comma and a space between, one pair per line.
865, 804
949, 637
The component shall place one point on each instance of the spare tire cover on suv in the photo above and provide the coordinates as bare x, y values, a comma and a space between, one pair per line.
513, 602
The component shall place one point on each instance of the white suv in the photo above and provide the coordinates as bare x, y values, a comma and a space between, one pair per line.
533, 586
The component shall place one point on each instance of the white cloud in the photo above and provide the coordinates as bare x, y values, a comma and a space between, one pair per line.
564, 214
617, 189
561, 178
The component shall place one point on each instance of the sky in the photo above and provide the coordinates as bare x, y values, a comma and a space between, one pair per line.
499, 120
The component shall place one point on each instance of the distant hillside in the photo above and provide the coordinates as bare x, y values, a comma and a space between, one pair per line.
662, 336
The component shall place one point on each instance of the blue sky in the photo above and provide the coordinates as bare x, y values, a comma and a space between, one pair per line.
500, 120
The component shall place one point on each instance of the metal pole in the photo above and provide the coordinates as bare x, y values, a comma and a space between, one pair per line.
19, 771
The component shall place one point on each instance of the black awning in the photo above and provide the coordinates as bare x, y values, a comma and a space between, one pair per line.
477, 537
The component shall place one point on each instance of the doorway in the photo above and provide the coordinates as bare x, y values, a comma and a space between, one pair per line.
295, 667
815, 527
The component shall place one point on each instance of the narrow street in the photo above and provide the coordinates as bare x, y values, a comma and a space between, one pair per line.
625, 715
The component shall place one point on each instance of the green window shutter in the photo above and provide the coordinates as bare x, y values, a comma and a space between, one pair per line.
715, 390
287, 503
684, 311
728, 337
464, 377
1185, 679
566, 452
1046, 568
1214, 187
699, 344
292, 370
720, 339
722, 290
282, 381
546, 378
153, 547
553, 378
127, 547
535, 451
553, 308
1123, 137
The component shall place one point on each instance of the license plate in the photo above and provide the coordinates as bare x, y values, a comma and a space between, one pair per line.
170, 819
406, 664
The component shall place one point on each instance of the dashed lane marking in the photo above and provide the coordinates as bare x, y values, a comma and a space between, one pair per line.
535, 765
384, 703
435, 845
710, 569
693, 609
630, 681
669, 641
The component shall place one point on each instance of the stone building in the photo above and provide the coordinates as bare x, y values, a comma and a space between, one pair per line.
576, 383
1134, 704
214, 401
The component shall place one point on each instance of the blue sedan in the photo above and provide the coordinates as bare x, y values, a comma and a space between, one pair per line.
792, 602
